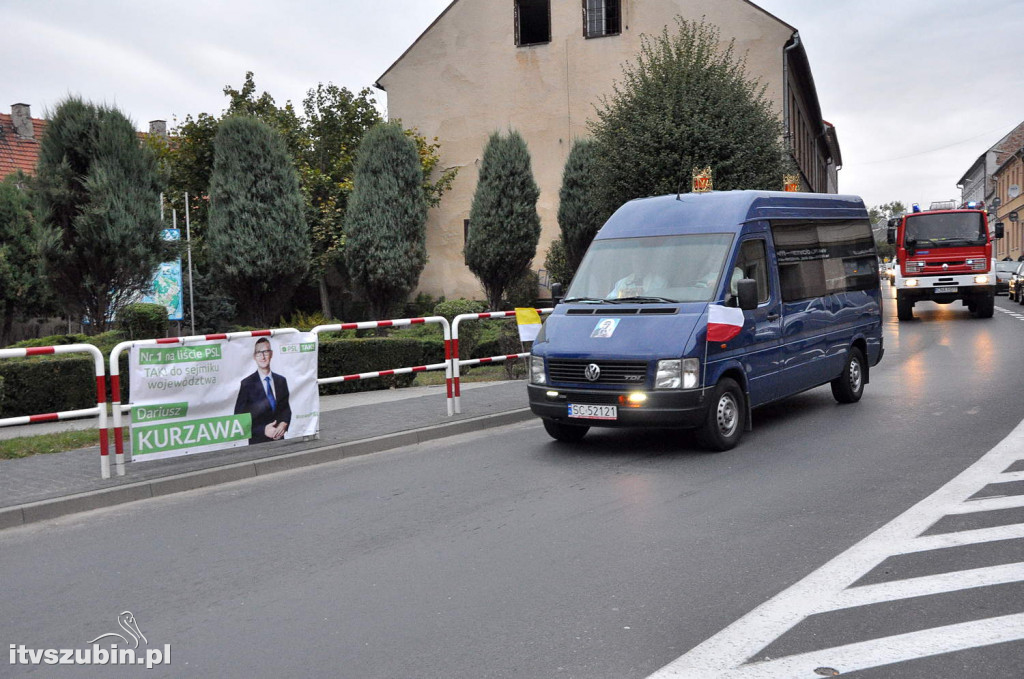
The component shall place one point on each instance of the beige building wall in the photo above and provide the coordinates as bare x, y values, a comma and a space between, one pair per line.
465, 78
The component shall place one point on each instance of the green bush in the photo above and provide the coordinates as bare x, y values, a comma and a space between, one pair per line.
469, 332
340, 357
143, 321
523, 291
423, 305
306, 321
37, 386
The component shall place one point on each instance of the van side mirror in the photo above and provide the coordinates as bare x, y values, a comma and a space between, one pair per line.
556, 293
999, 229
890, 235
746, 293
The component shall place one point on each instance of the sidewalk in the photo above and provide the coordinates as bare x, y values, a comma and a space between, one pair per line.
46, 486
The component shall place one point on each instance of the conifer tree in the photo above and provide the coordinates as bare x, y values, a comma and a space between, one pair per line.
22, 286
685, 103
257, 240
504, 226
578, 215
385, 224
98, 198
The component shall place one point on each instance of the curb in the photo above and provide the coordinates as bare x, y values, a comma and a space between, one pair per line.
20, 515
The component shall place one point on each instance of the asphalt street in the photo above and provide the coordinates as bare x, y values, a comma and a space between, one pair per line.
835, 537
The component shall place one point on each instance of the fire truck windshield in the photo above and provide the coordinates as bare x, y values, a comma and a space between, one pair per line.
945, 229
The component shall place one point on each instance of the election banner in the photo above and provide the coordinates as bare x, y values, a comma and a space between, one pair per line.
222, 394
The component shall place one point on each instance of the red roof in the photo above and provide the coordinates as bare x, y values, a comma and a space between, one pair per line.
19, 153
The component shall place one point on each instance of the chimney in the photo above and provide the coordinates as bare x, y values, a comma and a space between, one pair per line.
158, 128
21, 116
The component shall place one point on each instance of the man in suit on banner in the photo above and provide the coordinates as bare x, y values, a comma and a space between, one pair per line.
264, 395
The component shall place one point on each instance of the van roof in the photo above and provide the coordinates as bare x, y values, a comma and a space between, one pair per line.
718, 211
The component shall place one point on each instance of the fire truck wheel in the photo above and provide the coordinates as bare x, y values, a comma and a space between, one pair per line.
848, 387
904, 309
985, 307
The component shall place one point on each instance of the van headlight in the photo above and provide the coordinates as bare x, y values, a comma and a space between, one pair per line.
677, 374
537, 375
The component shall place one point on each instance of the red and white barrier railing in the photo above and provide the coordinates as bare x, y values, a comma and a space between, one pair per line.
397, 323
457, 363
115, 374
101, 396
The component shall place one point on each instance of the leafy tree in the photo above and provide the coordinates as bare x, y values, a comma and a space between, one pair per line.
685, 104
322, 145
386, 218
98, 199
880, 216
504, 226
335, 121
22, 285
578, 216
257, 237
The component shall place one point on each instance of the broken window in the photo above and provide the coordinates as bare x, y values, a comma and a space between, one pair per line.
601, 17
533, 22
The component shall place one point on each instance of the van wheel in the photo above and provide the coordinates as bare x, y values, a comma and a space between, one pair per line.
726, 417
567, 433
848, 387
904, 309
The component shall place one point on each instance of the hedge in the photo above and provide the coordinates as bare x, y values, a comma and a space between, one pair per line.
143, 321
49, 384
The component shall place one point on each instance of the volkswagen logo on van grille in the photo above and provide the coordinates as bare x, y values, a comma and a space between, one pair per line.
592, 373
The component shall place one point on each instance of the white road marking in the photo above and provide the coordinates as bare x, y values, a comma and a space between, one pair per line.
830, 588
887, 650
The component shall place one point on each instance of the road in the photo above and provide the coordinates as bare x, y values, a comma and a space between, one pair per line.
505, 554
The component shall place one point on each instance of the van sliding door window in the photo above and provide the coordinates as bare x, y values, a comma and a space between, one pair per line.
818, 258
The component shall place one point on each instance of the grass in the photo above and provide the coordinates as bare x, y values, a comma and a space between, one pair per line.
481, 373
24, 446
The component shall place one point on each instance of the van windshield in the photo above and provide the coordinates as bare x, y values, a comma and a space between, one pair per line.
651, 269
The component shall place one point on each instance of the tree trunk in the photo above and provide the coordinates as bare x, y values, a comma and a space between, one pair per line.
325, 301
8, 325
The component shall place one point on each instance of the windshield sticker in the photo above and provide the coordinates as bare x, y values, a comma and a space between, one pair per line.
605, 327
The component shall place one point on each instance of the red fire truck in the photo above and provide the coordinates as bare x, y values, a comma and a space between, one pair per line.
944, 256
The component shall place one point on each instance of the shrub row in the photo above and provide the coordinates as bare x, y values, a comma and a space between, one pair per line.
56, 383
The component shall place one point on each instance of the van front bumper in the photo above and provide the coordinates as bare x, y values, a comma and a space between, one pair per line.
675, 409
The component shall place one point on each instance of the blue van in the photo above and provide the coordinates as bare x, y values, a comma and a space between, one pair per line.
689, 311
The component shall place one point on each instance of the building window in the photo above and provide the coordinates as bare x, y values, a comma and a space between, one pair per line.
601, 17
533, 22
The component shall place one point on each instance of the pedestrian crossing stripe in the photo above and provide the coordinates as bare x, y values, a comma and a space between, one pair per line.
729, 653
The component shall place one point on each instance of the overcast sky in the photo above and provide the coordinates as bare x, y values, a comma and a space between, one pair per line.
917, 89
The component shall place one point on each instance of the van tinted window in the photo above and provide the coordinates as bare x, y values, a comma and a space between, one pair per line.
819, 258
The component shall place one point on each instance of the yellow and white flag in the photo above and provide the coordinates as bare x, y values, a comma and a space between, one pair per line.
528, 321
